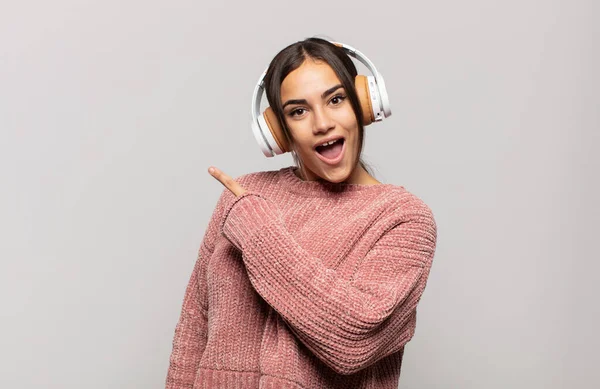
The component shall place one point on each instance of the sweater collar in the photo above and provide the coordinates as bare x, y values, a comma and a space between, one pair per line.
323, 187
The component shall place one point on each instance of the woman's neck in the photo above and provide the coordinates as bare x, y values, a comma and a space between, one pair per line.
358, 176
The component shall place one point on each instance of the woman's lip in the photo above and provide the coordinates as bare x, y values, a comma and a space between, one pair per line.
336, 160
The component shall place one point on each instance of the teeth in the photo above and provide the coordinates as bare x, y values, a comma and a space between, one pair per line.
329, 143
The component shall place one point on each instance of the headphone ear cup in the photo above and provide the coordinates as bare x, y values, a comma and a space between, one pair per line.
364, 98
276, 130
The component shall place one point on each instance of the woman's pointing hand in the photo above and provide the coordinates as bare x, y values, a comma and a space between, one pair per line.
227, 181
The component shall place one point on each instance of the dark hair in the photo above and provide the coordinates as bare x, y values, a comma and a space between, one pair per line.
290, 59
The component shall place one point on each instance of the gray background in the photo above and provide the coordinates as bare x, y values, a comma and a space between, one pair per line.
111, 112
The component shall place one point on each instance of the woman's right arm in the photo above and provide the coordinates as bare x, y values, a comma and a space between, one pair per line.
191, 330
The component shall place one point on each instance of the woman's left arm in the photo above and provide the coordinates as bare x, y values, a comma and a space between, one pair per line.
352, 324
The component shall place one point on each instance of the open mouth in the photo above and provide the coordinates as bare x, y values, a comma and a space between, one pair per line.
331, 153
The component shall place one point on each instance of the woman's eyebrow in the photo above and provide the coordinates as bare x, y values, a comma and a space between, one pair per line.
325, 94
331, 90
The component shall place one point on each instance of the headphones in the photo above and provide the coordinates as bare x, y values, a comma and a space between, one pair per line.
372, 96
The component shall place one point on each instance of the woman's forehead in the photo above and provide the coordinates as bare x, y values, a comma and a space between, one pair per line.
311, 78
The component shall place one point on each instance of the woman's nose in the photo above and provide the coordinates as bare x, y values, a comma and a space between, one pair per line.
323, 121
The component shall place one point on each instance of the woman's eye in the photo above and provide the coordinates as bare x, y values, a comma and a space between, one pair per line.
337, 99
297, 112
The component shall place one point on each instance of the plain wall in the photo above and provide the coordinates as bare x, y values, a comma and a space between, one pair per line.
111, 112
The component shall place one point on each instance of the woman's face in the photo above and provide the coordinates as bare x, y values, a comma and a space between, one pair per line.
317, 109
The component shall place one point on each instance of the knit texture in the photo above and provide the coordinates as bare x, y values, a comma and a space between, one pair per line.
304, 284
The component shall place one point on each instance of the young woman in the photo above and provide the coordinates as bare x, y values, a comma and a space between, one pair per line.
308, 276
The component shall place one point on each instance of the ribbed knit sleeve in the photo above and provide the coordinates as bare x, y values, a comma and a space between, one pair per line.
348, 324
191, 330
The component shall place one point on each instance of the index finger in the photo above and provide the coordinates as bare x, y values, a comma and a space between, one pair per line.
227, 181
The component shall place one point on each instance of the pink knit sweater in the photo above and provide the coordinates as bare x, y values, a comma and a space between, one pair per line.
304, 284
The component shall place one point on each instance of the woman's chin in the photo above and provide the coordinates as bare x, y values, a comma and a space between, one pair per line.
335, 175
